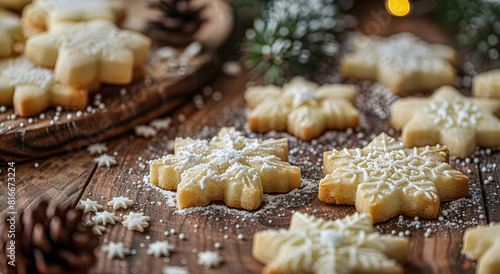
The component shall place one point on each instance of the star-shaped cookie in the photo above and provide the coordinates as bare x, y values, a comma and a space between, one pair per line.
302, 108
89, 52
386, 179
116, 250
483, 244
487, 84
10, 33
145, 131
448, 118
403, 63
31, 89
135, 221
314, 245
159, 248
97, 148
40, 15
230, 167
89, 205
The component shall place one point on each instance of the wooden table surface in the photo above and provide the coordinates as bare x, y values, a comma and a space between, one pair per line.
67, 177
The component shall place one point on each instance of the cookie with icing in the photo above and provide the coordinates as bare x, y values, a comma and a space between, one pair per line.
315, 245
40, 15
88, 52
31, 89
448, 118
483, 244
302, 108
386, 179
230, 167
403, 63
10, 33
487, 84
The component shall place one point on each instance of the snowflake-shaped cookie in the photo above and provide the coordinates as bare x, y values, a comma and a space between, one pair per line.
386, 179
175, 270
105, 160
404, 63
483, 244
209, 258
120, 202
231, 168
302, 108
89, 52
105, 217
448, 118
89, 205
115, 250
487, 84
32, 89
42, 14
145, 131
97, 148
135, 221
10, 33
313, 245
159, 248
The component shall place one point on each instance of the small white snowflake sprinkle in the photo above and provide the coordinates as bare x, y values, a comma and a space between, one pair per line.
98, 230
120, 202
145, 131
159, 248
209, 259
116, 250
217, 245
97, 148
175, 270
135, 221
105, 217
89, 205
105, 160
161, 124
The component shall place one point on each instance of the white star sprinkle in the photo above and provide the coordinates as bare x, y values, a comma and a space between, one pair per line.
161, 124
120, 202
98, 229
209, 258
89, 205
145, 131
175, 270
115, 250
159, 248
105, 217
97, 148
105, 160
135, 221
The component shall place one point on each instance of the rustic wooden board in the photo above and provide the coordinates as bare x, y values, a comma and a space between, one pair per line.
125, 107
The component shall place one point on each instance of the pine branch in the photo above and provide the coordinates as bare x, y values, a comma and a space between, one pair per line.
293, 37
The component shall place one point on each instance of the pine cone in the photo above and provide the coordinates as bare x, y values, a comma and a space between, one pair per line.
179, 22
49, 239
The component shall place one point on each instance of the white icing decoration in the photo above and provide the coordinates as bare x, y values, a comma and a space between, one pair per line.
145, 131
301, 94
120, 202
175, 270
97, 148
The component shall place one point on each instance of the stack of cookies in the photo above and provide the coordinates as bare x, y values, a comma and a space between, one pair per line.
60, 50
